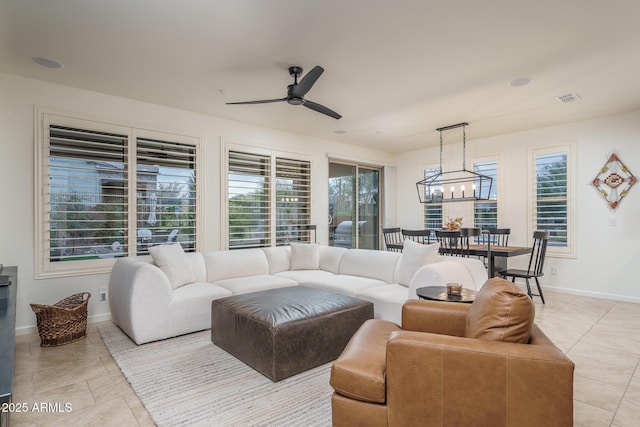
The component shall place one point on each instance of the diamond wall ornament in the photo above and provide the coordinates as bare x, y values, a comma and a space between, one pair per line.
614, 181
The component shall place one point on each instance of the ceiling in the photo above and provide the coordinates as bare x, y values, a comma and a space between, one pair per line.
396, 71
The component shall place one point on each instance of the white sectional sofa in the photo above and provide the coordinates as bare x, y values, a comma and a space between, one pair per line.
170, 294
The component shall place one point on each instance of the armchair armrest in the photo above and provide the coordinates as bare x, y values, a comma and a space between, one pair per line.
435, 317
431, 377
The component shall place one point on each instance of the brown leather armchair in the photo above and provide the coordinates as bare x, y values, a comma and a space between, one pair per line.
431, 373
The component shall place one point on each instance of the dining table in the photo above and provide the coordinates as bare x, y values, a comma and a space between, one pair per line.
496, 255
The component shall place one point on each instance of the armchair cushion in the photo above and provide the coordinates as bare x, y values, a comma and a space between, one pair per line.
500, 312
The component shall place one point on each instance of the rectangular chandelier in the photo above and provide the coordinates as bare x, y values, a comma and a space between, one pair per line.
454, 186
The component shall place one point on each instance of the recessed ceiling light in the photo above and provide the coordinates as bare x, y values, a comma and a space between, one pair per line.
339, 131
46, 62
522, 81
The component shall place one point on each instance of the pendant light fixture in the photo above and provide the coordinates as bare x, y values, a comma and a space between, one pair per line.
454, 186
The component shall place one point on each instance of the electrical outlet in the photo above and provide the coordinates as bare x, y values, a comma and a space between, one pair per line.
554, 271
103, 294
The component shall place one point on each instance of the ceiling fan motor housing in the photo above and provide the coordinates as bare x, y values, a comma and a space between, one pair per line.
292, 98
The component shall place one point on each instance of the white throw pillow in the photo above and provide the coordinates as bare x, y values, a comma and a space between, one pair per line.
305, 256
414, 256
173, 261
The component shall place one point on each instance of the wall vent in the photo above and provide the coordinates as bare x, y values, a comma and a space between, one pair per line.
568, 98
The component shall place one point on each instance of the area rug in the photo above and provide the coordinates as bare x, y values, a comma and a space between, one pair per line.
188, 380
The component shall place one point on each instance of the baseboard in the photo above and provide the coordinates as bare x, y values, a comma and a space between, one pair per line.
599, 295
33, 329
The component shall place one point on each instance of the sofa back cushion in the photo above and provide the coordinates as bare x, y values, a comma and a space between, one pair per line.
501, 312
279, 258
305, 256
237, 263
173, 261
196, 262
379, 265
414, 256
330, 258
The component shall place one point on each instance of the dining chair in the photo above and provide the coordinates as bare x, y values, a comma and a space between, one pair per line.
497, 236
466, 237
450, 242
393, 240
493, 237
536, 264
418, 236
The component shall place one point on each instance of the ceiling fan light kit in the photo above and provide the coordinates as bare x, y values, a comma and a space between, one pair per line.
454, 186
297, 91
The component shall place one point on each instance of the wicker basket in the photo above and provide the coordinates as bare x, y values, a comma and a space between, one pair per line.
63, 322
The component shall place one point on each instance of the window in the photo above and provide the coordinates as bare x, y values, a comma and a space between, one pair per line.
432, 211
485, 212
552, 190
269, 199
293, 200
165, 193
110, 191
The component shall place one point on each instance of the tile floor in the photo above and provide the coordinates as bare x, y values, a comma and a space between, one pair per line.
602, 337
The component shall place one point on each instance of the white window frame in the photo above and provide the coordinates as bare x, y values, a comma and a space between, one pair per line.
570, 149
226, 147
42, 121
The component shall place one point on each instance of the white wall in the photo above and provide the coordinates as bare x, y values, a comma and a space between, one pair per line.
17, 102
605, 255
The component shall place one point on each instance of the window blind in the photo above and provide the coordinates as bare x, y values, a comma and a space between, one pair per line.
269, 199
485, 212
293, 200
432, 211
249, 200
165, 193
87, 197
551, 188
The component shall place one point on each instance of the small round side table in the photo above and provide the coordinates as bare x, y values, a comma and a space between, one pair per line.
439, 293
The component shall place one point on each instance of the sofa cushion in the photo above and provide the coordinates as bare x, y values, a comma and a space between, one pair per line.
172, 260
196, 262
331, 257
279, 258
501, 312
305, 256
380, 265
237, 263
343, 284
388, 301
305, 276
243, 285
414, 256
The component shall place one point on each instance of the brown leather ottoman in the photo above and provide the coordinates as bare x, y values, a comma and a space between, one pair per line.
282, 332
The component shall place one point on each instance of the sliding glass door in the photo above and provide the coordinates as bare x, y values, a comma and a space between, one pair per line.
354, 208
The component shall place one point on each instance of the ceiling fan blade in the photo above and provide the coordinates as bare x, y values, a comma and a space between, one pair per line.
263, 101
308, 81
321, 109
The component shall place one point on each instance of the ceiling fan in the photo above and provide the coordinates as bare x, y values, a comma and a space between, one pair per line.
297, 91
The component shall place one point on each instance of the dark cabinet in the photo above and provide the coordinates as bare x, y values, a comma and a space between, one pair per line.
8, 288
